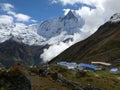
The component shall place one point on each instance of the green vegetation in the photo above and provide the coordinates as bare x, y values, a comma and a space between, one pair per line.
100, 79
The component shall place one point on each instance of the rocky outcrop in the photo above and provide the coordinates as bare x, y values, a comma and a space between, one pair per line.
13, 81
73, 85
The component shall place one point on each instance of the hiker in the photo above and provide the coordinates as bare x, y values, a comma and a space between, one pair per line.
47, 71
40, 72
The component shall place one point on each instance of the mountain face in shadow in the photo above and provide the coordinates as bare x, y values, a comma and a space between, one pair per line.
13, 52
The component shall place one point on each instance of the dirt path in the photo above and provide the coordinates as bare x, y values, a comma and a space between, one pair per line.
43, 83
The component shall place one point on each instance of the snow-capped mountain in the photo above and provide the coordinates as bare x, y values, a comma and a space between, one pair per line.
103, 45
20, 33
29, 44
115, 18
26, 43
48, 32
68, 25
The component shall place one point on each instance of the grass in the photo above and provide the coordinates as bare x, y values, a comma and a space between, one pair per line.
99, 79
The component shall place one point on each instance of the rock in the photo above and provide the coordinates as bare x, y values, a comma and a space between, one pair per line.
14, 81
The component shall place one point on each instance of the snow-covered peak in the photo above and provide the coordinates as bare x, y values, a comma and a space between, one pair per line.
20, 33
69, 16
52, 31
33, 27
69, 24
115, 18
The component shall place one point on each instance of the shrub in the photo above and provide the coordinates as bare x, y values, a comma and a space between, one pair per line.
80, 74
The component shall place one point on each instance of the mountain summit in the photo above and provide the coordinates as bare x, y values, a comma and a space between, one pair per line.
39, 34
68, 25
70, 15
115, 18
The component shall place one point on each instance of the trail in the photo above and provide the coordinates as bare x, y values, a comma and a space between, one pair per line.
44, 83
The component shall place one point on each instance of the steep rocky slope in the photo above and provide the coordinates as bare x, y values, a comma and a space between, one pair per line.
104, 45
68, 24
13, 52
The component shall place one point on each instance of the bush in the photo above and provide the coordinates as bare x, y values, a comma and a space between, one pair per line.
80, 74
15, 69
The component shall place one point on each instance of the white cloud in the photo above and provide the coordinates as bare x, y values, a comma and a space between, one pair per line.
22, 17
53, 51
34, 21
11, 13
64, 2
94, 17
108, 5
6, 6
53, 1
72, 2
18, 17
56, 49
5, 19
111, 7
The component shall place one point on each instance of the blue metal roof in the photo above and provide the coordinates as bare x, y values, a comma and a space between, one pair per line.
88, 65
66, 63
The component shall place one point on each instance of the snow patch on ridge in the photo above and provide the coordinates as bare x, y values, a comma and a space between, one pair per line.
115, 18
